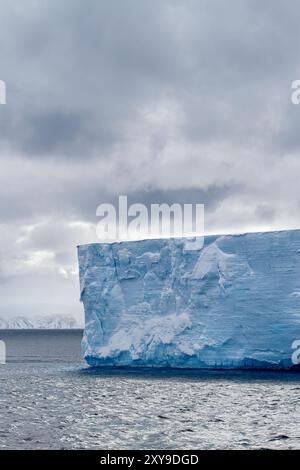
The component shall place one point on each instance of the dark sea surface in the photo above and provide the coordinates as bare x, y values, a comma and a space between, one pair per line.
49, 399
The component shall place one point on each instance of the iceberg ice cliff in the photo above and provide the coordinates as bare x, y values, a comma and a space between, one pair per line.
233, 304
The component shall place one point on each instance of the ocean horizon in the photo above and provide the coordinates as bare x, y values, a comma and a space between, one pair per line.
50, 399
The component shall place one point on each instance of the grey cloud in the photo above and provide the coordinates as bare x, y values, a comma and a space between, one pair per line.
50, 131
265, 212
164, 101
88, 72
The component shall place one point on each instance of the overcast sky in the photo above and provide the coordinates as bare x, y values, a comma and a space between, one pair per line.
163, 100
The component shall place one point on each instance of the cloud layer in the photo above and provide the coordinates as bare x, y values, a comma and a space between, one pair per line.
163, 101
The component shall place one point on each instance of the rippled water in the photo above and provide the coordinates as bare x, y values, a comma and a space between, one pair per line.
65, 405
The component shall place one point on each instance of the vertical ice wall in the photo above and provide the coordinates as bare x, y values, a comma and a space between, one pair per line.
235, 303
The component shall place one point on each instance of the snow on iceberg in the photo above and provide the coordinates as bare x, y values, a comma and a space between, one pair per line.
233, 304
23, 322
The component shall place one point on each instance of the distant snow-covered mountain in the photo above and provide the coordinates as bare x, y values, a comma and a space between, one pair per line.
39, 322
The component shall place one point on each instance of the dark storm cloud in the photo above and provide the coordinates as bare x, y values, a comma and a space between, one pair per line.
166, 101
77, 72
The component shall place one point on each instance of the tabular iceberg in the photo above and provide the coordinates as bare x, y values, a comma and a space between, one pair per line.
233, 304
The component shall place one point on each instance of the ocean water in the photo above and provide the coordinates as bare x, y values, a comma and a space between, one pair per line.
49, 399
